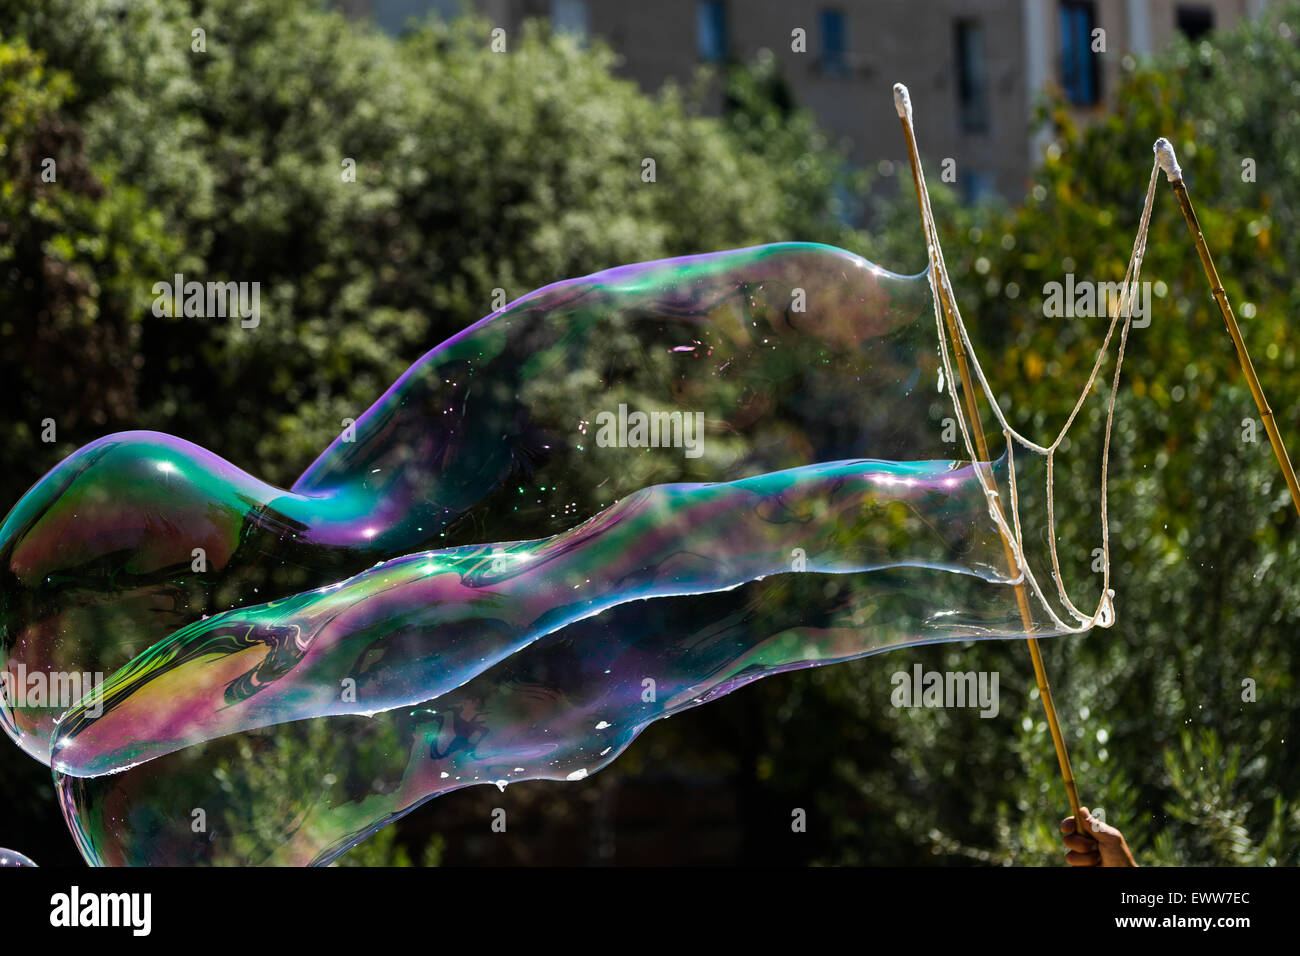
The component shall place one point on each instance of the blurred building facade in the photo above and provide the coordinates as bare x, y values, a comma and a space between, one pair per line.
975, 67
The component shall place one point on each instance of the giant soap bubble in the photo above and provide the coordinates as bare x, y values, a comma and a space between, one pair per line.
615, 499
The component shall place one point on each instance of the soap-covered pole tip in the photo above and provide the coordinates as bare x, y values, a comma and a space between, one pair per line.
902, 102
1168, 161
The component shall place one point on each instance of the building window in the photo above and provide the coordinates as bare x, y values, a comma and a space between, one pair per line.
1080, 77
972, 78
711, 31
1193, 21
399, 16
835, 53
569, 16
977, 186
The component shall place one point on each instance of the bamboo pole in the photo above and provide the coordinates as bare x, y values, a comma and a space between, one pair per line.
902, 102
1169, 163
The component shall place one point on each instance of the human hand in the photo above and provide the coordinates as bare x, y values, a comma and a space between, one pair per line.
1099, 845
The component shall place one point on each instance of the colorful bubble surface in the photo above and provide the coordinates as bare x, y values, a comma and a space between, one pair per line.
616, 499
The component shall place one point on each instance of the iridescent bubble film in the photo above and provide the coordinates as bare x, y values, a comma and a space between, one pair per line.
615, 499
13, 858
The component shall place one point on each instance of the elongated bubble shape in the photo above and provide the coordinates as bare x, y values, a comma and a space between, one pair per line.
419, 626
617, 498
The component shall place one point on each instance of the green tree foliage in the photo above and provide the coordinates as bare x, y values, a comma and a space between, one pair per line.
475, 171
78, 248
